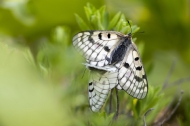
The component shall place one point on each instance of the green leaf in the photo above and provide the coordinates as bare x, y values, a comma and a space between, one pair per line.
94, 21
118, 25
135, 28
114, 21
88, 12
81, 23
103, 17
91, 7
122, 23
125, 29
61, 36
123, 18
99, 20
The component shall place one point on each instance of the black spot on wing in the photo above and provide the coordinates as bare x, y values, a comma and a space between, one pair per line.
100, 36
139, 68
91, 90
126, 65
90, 83
144, 76
137, 58
138, 79
90, 39
109, 35
106, 48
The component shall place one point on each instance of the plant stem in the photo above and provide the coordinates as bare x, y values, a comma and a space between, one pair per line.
117, 105
110, 103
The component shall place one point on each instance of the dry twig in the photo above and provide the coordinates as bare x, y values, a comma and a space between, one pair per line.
169, 74
165, 119
173, 111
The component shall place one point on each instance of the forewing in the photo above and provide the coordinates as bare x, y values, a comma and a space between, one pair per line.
96, 45
132, 77
99, 87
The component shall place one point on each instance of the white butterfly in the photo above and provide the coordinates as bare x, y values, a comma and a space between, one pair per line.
115, 62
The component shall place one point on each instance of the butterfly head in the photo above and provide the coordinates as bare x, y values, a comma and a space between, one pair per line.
130, 35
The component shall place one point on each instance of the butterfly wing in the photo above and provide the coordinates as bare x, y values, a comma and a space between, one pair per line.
97, 45
126, 73
131, 74
132, 77
100, 84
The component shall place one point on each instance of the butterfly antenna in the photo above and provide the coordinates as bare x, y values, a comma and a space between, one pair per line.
130, 27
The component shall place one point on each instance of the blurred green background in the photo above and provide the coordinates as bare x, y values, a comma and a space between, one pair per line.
41, 80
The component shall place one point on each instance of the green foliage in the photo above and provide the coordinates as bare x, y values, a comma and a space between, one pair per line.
24, 97
98, 19
41, 73
57, 53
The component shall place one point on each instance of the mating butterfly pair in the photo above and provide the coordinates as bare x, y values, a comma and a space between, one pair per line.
114, 62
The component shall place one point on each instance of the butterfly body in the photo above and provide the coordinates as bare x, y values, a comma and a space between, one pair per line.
114, 60
119, 52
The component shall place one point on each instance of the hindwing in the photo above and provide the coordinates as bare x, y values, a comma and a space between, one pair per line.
100, 84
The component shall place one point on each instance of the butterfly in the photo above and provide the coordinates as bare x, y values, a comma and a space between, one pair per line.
114, 61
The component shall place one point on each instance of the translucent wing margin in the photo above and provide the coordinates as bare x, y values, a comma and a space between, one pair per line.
96, 45
99, 86
132, 77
